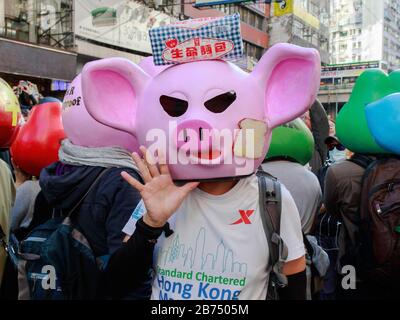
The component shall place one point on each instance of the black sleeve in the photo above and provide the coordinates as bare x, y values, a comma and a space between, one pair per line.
129, 266
296, 288
123, 200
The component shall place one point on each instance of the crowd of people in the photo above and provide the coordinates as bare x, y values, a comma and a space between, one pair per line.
291, 207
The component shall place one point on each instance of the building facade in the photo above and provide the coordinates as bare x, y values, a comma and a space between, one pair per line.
365, 30
47, 42
301, 22
337, 82
254, 26
363, 34
37, 43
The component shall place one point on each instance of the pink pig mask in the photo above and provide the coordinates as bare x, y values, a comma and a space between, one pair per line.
82, 130
184, 109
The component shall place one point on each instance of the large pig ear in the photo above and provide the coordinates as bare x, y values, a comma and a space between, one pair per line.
290, 76
110, 90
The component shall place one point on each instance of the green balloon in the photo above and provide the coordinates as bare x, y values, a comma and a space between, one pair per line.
395, 80
351, 123
293, 141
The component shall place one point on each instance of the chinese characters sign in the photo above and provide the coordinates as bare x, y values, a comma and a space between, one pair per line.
198, 39
196, 48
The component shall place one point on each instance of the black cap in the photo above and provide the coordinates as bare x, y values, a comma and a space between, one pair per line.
330, 139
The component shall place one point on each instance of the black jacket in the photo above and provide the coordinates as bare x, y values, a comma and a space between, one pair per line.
102, 214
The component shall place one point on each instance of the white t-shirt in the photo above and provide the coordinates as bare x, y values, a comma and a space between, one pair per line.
219, 250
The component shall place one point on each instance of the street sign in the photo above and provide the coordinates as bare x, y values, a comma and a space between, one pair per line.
283, 7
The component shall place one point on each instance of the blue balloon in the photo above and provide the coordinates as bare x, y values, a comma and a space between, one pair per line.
383, 117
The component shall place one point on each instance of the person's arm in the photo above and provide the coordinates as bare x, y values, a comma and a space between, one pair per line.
296, 288
129, 266
292, 236
122, 199
21, 206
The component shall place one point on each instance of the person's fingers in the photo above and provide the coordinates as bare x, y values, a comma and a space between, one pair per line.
162, 162
132, 181
150, 161
186, 188
142, 167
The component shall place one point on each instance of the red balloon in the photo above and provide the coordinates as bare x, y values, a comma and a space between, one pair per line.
38, 141
10, 115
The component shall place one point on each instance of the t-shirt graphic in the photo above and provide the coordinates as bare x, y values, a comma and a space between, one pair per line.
219, 250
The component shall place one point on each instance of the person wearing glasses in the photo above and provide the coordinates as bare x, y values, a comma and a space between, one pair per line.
336, 151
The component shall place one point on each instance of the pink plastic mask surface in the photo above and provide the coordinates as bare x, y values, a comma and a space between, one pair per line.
212, 119
83, 130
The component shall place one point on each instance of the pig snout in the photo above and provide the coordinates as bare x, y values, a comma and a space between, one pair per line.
197, 133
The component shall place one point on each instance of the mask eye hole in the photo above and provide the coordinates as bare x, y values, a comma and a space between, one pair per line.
173, 106
221, 102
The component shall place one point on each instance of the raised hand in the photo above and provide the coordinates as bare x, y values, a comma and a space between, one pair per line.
159, 193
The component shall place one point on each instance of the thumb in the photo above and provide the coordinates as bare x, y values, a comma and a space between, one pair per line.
189, 187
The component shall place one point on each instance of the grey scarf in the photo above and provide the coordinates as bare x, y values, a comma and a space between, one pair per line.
106, 157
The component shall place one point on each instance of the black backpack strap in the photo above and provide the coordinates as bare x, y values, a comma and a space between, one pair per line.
362, 160
3, 240
271, 207
308, 246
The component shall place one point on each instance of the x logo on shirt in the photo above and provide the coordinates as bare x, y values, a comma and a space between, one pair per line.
244, 217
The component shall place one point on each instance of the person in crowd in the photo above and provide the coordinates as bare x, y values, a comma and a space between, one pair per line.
10, 122
317, 121
5, 156
204, 221
291, 149
332, 126
22, 211
7, 196
336, 151
345, 181
90, 149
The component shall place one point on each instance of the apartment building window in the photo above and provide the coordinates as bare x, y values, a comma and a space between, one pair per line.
244, 14
323, 43
250, 17
314, 9
314, 39
252, 50
385, 56
260, 22
338, 80
303, 4
46, 22
298, 28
